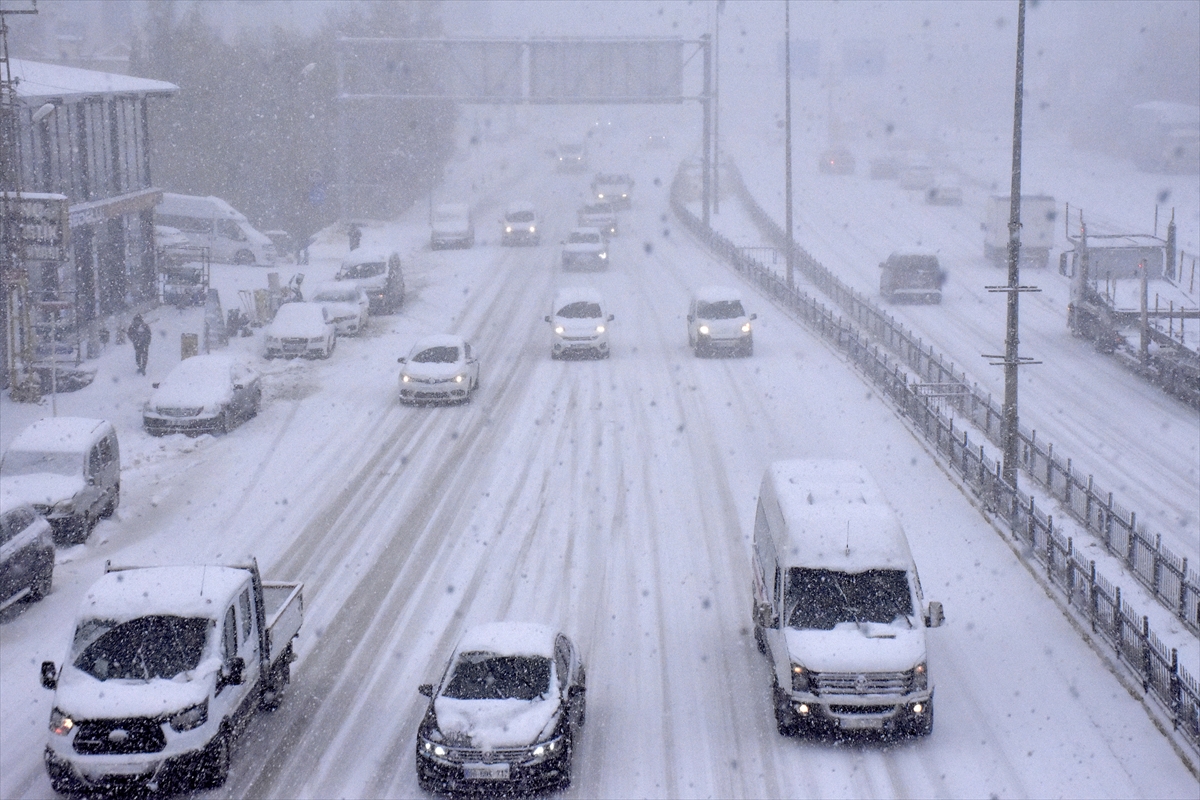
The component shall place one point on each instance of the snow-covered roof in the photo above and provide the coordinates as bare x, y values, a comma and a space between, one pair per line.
184, 591
717, 294
509, 638
573, 294
438, 340
59, 435
365, 255
199, 380
38, 81
517, 207
835, 517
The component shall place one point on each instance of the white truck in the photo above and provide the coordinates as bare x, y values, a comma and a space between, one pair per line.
165, 668
1038, 215
837, 607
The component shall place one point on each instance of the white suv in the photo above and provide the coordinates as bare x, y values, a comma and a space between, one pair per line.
717, 323
579, 324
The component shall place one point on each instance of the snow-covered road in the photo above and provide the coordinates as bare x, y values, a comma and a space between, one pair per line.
612, 499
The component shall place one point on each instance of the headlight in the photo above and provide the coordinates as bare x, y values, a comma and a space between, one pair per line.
704, 330
604, 255
600, 196
599, 329
458, 378
558, 329
532, 229
436, 749
799, 678
746, 328
920, 677
547, 748
190, 718
508, 228
60, 723
405, 379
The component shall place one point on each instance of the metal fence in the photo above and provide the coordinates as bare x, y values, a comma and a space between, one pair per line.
1166, 575
1097, 599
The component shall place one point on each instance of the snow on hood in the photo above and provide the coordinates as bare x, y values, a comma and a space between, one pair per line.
298, 320
197, 381
853, 647
84, 697
497, 724
41, 488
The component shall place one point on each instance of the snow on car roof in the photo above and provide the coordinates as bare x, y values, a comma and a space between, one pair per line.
717, 294
336, 289
835, 517
595, 231
516, 207
58, 435
571, 294
438, 340
184, 591
509, 638
459, 209
365, 255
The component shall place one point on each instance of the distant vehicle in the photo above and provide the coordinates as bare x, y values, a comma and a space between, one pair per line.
717, 323
1039, 216
519, 225
943, 194
347, 305
300, 329
166, 668
913, 277
613, 188
838, 608
203, 394
26, 553
884, 169
837, 161
68, 469
657, 141
439, 368
452, 227
504, 718
579, 324
377, 273
917, 176
585, 248
571, 157
285, 243
602, 216
211, 222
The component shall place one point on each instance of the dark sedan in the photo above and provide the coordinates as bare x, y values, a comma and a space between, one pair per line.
26, 554
203, 394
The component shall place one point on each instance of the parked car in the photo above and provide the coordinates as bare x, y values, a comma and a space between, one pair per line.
602, 216
452, 226
439, 368
68, 469
300, 329
579, 324
717, 323
26, 553
347, 305
378, 274
519, 226
913, 277
213, 223
837, 161
505, 716
585, 248
917, 176
203, 394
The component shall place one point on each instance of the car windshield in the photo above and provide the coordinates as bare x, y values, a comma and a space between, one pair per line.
141, 649
520, 216
484, 676
580, 309
28, 462
336, 296
722, 309
819, 599
446, 354
598, 208
450, 217
366, 270
583, 238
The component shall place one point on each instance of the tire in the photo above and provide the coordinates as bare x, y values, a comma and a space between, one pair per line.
785, 719
214, 768
243, 258
759, 641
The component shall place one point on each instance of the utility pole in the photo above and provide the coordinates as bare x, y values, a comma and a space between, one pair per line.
716, 189
787, 134
706, 145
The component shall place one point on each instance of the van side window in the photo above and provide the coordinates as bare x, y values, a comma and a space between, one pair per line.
244, 609
562, 661
228, 229
107, 451
185, 224
95, 462
229, 636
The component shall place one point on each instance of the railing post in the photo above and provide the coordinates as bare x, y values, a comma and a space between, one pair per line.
1131, 542
1093, 603
1108, 518
1050, 547
1156, 579
1183, 588
1087, 508
1070, 571
1118, 622
1174, 689
1147, 667
1050, 467
1067, 489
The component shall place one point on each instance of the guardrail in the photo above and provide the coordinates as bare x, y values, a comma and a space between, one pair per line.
1097, 599
1166, 575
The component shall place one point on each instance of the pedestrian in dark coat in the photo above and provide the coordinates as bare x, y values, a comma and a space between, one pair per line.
139, 336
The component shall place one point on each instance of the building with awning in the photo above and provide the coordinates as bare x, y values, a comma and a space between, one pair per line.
84, 136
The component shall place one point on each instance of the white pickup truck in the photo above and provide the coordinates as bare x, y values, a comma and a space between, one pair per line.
166, 667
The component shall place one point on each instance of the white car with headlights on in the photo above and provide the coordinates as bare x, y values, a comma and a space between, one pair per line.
717, 323
439, 369
347, 306
585, 248
579, 324
505, 715
520, 225
300, 329
203, 394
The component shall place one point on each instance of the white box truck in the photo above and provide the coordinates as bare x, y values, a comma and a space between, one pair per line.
1038, 216
212, 223
838, 608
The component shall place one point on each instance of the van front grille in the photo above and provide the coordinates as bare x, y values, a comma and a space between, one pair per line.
119, 737
860, 683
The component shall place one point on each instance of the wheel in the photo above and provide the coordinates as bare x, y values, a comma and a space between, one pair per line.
785, 717
111, 507
243, 257
81, 528
759, 641
42, 584
214, 769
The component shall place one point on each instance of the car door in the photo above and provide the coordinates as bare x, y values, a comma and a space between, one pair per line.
12, 570
472, 364
239, 403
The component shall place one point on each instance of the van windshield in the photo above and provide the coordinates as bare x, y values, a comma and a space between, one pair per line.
519, 216
28, 462
365, 270
580, 309
141, 649
484, 676
721, 309
819, 599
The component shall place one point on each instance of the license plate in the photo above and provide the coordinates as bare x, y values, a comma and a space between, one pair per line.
293, 348
485, 772
861, 723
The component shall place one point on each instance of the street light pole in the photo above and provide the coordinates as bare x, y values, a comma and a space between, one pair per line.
787, 133
716, 188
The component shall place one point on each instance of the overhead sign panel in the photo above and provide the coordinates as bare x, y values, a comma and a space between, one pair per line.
647, 71
483, 70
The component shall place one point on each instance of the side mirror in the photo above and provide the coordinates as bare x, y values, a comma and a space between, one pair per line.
239, 386
232, 672
49, 675
764, 616
547, 318
611, 317
934, 616
91, 480
690, 318
425, 689
754, 316
401, 360
154, 385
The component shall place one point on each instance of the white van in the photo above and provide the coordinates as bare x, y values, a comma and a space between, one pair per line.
838, 608
211, 222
